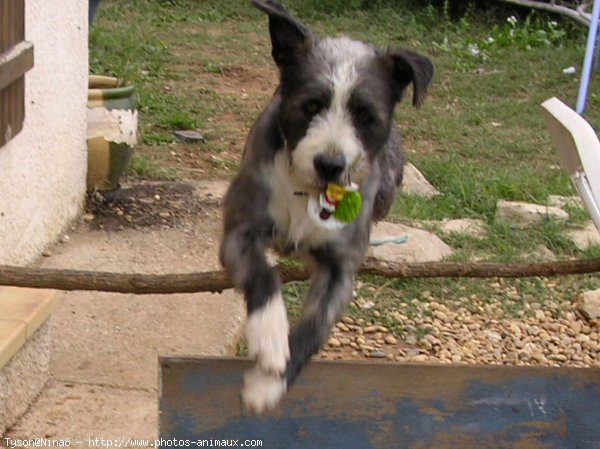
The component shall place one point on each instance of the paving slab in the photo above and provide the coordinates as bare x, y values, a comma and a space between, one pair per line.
86, 414
105, 346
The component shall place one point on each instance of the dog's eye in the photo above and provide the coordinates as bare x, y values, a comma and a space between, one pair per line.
313, 107
364, 116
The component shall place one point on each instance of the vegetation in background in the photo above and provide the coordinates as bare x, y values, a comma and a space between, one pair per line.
478, 138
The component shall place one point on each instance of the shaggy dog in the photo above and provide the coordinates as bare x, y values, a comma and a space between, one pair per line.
326, 134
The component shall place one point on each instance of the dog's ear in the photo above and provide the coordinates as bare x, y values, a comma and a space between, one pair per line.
411, 67
288, 37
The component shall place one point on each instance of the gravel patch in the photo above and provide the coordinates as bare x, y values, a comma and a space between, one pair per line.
472, 331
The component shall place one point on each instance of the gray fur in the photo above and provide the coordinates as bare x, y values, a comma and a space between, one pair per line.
249, 225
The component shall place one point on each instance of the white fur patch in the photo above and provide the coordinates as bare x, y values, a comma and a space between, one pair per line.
290, 210
333, 131
267, 334
262, 391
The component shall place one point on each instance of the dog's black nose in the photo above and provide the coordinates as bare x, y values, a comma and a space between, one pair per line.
329, 167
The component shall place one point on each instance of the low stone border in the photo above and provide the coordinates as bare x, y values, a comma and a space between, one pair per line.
24, 349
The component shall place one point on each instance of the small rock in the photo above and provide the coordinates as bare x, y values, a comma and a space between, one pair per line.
88, 217
421, 246
521, 215
414, 183
366, 305
390, 340
370, 329
342, 327
575, 328
494, 336
585, 237
411, 340
589, 304
65, 239
189, 136
334, 343
347, 320
466, 226
378, 355
516, 330
440, 316
562, 201
46, 253
541, 253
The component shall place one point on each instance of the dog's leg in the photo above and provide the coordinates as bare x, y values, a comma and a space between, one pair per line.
329, 294
243, 254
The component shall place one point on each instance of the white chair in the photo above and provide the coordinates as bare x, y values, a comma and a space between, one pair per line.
578, 145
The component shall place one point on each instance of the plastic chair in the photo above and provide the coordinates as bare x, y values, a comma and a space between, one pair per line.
579, 147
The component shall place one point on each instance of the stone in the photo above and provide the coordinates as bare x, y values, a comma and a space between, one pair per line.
494, 336
575, 328
586, 236
440, 315
421, 246
334, 343
378, 355
411, 340
189, 136
414, 183
542, 254
412, 352
588, 303
24, 377
390, 340
521, 215
467, 226
562, 201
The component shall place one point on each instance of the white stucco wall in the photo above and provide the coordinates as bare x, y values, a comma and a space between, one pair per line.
43, 169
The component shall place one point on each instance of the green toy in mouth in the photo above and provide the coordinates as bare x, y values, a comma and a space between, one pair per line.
337, 206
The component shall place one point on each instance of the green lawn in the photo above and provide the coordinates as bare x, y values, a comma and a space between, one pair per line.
479, 136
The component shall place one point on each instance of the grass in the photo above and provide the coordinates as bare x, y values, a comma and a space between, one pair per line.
478, 138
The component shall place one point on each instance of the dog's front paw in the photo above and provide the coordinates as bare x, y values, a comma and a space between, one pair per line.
267, 334
262, 391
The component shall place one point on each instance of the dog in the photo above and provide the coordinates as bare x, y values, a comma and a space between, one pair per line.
329, 125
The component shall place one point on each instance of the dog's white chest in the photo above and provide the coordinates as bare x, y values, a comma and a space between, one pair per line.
289, 208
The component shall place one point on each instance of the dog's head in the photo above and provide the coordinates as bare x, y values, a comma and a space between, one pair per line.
337, 97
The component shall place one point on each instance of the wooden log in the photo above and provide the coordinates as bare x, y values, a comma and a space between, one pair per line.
216, 281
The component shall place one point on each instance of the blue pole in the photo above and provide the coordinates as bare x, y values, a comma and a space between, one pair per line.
589, 56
